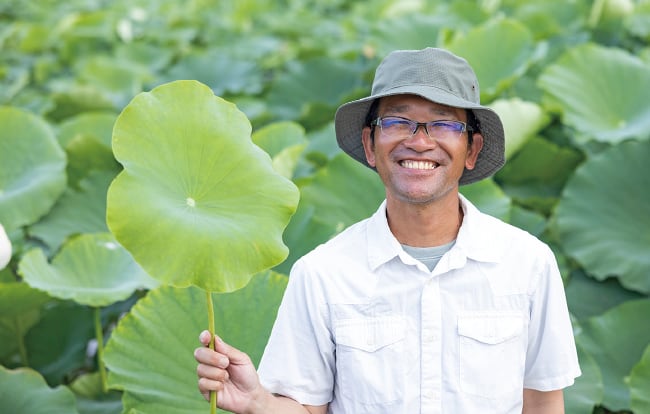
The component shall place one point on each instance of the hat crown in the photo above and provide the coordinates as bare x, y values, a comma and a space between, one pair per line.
429, 68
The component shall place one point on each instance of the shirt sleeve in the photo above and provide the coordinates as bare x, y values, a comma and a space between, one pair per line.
551, 359
298, 361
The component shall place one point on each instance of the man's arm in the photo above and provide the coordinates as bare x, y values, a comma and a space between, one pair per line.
231, 373
543, 402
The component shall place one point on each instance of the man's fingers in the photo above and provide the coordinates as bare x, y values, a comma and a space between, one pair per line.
235, 356
207, 385
204, 338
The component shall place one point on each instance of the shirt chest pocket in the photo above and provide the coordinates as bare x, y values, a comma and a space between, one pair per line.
368, 354
492, 354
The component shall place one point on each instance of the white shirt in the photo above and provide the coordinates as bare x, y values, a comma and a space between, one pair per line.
365, 327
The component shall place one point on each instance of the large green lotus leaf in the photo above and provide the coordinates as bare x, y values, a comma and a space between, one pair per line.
496, 67
588, 297
150, 352
616, 340
24, 391
639, 382
57, 344
78, 211
91, 269
489, 198
587, 391
521, 120
197, 203
343, 192
602, 217
32, 168
609, 104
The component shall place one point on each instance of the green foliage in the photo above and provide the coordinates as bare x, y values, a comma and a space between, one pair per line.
91, 90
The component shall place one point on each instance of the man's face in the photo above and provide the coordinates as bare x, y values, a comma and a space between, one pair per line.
420, 169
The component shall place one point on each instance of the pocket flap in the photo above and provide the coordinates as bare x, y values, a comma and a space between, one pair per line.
490, 329
370, 334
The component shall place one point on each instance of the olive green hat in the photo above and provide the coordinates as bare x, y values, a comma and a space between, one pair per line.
436, 75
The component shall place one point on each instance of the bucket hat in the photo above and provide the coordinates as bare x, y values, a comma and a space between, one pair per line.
439, 76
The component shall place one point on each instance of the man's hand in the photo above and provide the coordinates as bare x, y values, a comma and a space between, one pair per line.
231, 373
228, 371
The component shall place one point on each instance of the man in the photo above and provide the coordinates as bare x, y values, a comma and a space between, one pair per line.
428, 306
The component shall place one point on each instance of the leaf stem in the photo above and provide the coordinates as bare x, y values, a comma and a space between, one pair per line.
21, 341
99, 335
213, 394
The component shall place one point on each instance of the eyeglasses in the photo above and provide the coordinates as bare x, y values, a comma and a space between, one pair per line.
398, 127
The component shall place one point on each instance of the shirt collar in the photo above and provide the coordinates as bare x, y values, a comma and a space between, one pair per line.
476, 238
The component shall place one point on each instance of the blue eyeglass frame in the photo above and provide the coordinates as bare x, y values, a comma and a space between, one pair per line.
466, 127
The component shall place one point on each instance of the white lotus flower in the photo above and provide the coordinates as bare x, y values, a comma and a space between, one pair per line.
5, 248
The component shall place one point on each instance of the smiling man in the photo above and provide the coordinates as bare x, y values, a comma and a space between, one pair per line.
428, 306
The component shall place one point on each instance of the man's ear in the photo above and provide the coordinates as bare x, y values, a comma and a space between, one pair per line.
368, 145
473, 150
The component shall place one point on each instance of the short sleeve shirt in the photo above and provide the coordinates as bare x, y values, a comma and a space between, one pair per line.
366, 328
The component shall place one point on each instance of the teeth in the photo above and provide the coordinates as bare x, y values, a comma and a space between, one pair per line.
418, 165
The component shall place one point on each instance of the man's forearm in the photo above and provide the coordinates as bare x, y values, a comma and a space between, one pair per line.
268, 403
543, 402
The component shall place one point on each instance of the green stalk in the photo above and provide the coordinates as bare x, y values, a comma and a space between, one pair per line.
213, 394
21, 342
99, 334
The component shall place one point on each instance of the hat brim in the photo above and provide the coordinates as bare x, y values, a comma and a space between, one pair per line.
350, 118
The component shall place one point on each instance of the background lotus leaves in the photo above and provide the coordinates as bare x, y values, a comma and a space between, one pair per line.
496, 68
150, 352
521, 121
196, 186
24, 391
603, 218
536, 175
284, 142
80, 209
639, 381
91, 269
616, 341
609, 103
587, 389
32, 164
19, 311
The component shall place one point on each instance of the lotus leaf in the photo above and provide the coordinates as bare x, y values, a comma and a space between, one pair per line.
521, 121
197, 203
24, 391
32, 168
609, 104
91, 269
639, 381
602, 216
81, 210
616, 341
587, 390
496, 68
